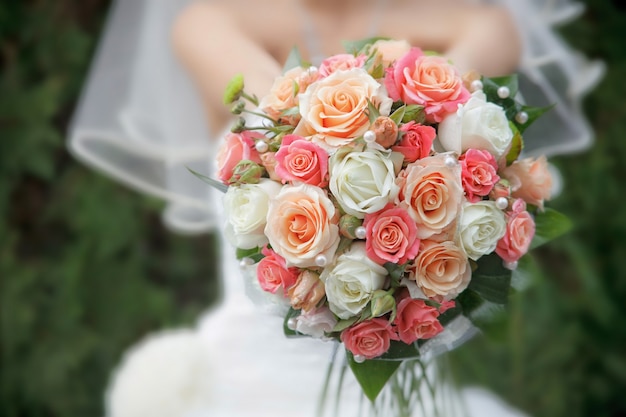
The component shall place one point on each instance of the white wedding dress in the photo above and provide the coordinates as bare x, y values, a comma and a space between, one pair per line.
140, 121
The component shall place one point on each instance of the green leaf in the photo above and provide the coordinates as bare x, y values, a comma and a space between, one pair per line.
372, 374
533, 114
517, 145
491, 279
398, 115
212, 182
294, 59
414, 112
254, 254
355, 47
344, 324
549, 224
399, 351
372, 112
491, 85
288, 332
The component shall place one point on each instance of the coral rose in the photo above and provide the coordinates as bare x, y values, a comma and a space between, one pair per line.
478, 174
391, 236
416, 320
369, 339
299, 160
530, 180
235, 148
273, 274
302, 223
334, 109
520, 230
433, 193
441, 270
429, 81
416, 142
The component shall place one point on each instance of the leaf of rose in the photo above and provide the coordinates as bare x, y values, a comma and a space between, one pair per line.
549, 225
372, 375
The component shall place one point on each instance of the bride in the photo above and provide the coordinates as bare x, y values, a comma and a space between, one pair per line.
236, 362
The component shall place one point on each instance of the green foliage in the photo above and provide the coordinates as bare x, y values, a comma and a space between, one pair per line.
86, 268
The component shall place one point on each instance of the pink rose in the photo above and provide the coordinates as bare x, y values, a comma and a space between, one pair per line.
272, 273
530, 180
429, 81
302, 224
416, 142
369, 339
416, 320
520, 230
478, 173
236, 147
340, 62
433, 193
299, 160
391, 236
441, 270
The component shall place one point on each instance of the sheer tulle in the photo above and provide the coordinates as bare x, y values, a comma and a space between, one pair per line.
140, 121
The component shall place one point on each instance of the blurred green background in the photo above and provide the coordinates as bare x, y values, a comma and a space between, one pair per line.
86, 268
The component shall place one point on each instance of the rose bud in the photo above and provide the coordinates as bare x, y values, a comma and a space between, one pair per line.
239, 125
238, 107
382, 303
246, 172
268, 159
348, 225
386, 131
307, 291
469, 77
501, 189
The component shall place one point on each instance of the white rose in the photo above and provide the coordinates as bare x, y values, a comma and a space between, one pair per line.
481, 226
246, 210
477, 124
364, 182
316, 322
350, 282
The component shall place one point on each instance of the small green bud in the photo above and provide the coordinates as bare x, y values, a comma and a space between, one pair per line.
348, 225
239, 125
246, 172
238, 107
382, 303
234, 89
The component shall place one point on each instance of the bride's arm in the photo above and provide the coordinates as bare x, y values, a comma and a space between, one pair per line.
199, 35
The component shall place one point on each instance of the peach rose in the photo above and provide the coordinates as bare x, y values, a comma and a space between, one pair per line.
369, 339
478, 174
299, 160
307, 291
441, 270
391, 236
391, 50
334, 109
284, 92
273, 274
416, 320
268, 160
530, 180
302, 223
520, 230
429, 81
416, 142
340, 62
236, 147
433, 193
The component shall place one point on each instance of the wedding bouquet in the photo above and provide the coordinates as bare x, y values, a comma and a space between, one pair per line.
381, 195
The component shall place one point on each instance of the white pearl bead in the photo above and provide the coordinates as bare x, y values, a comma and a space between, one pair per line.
521, 117
510, 265
292, 323
450, 162
261, 146
504, 92
320, 260
369, 136
360, 232
502, 203
476, 85
359, 358
246, 262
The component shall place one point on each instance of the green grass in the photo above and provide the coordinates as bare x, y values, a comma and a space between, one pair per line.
86, 268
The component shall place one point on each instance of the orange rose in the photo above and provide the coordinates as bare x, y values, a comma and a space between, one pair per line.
530, 180
441, 269
433, 193
302, 224
284, 92
334, 109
